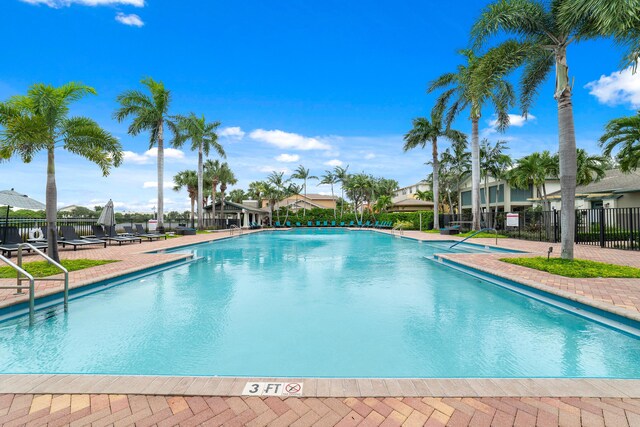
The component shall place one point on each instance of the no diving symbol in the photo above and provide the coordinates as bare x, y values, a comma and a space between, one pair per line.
293, 388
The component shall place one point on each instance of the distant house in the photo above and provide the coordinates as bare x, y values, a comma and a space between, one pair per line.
615, 190
409, 204
71, 208
311, 201
410, 191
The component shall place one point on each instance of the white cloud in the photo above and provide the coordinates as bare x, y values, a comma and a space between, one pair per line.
515, 120
334, 162
369, 156
154, 184
288, 158
150, 156
269, 169
288, 140
132, 20
617, 88
66, 3
234, 132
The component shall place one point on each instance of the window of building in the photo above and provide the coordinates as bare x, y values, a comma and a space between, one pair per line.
518, 195
466, 198
492, 194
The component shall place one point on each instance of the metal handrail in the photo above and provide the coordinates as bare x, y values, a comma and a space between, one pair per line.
399, 228
477, 232
19, 286
234, 227
50, 261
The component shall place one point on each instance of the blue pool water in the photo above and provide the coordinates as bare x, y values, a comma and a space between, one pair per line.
316, 303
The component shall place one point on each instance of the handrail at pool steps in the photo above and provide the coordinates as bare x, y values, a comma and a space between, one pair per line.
399, 228
233, 228
482, 230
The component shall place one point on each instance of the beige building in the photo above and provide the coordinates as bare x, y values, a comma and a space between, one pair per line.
410, 191
505, 197
411, 205
311, 201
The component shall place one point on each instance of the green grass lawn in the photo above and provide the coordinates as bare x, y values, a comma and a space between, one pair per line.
44, 269
578, 268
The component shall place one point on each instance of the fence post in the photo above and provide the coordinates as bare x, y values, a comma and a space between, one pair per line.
602, 229
555, 226
631, 231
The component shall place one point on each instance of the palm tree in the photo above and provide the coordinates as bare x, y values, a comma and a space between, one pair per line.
424, 132
227, 177
590, 168
188, 179
237, 195
383, 203
212, 170
492, 159
341, 175
39, 121
303, 174
358, 189
330, 178
255, 191
204, 138
534, 170
425, 195
624, 133
276, 189
478, 82
150, 113
546, 31
459, 161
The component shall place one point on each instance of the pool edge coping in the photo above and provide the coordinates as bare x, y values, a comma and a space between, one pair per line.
322, 387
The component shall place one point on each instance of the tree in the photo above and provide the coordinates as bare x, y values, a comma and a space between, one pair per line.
341, 175
590, 168
188, 179
358, 189
383, 203
204, 138
39, 121
303, 174
475, 84
329, 178
459, 161
425, 195
546, 30
150, 112
213, 169
534, 170
227, 177
623, 134
492, 162
255, 191
237, 195
425, 132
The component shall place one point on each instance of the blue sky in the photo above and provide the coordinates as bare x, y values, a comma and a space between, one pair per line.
313, 82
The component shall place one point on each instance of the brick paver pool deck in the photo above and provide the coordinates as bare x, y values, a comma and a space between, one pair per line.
169, 401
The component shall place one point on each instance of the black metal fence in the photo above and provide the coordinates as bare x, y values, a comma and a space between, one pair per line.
617, 228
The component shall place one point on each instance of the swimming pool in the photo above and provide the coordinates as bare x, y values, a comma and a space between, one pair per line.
316, 303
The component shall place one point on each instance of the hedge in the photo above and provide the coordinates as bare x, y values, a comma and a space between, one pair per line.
327, 215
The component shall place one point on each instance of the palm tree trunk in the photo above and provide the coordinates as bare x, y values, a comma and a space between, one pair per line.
200, 189
334, 206
486, 193
193, 202
223, 188
436, 184
305, 199
213, 200
567, 153
475, 173
161, 174
52, 207
341, 199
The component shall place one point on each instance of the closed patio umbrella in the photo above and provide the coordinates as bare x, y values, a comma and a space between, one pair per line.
13, 199
107, 216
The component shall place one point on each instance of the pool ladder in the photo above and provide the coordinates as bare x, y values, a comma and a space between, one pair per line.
233, 228
477, 232
399, 229
23, 276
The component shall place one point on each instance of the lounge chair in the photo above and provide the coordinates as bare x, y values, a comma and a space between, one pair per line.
342, 224
288, 224
71, 238
112, 236
333, 223
13, 240
298, 224
278, 224
140, 232
325, 224
309, 224
351, 224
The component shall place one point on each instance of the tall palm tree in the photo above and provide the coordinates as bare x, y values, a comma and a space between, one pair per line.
212, 170
188, 179
546, 30
330, 178
358, 189
204, 138
425, 195
255, 191
492, 159
275, 189
237, 195
459, 161
150, 112
39, 121
342, 175
383, 203
623, 133
478, 82
534, 170
590, 168
303, 174
227, 177
425, 132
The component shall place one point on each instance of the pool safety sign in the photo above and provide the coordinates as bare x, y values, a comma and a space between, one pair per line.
272, 389
513, 219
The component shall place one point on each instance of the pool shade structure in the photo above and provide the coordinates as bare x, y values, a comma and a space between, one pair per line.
107, 216
13, 199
